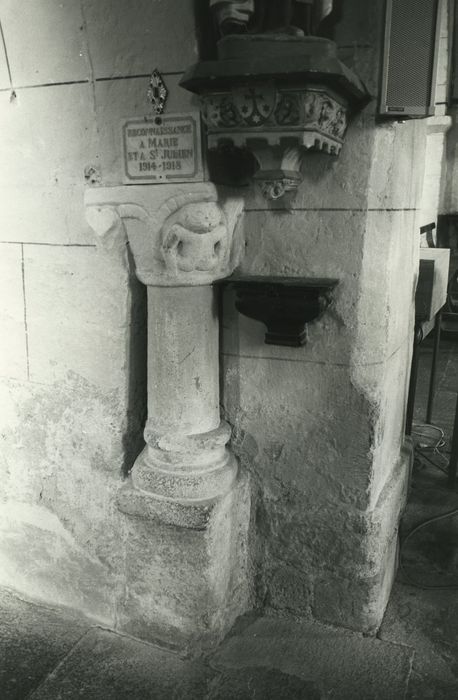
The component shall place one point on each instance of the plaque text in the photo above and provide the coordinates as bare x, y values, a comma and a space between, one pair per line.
163, 149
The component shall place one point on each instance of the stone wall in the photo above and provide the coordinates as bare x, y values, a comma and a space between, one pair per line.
321, 428
73, 318
318, 429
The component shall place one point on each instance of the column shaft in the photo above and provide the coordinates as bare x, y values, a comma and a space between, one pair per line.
183, 382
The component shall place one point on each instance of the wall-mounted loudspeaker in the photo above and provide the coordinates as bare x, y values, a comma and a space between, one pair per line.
412, 31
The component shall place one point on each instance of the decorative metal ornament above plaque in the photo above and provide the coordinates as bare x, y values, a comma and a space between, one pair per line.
157, 92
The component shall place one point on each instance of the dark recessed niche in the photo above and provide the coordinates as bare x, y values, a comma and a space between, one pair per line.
284, 304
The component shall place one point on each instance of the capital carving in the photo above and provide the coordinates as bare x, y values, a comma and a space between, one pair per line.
177, 236
107, 224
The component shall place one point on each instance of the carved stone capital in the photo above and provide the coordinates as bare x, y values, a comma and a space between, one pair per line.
179, 234
108, 227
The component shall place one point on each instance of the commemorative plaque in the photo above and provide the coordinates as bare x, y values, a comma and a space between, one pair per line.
162, 149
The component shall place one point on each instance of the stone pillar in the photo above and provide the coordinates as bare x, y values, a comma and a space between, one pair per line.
187, 509
435, 168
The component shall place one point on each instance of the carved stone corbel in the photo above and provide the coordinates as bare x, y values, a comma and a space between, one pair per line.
278, 93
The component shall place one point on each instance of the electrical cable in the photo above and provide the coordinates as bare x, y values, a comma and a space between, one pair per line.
434, 464
419, 430
421, 433
422, 525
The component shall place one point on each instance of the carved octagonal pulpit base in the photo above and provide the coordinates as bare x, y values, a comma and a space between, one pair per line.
277, 96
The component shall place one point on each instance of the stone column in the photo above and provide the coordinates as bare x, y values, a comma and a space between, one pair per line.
185, 457
187, 509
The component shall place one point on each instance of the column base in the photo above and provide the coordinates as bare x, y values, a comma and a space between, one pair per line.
186, 565
191, 514
187, 468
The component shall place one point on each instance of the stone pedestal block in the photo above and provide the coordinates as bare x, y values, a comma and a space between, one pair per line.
186, 582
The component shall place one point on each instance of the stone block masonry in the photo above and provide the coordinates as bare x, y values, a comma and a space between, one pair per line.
65, 419
320, 429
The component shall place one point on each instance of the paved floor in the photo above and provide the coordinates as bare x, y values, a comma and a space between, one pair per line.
47, 654
427, 618
446, 382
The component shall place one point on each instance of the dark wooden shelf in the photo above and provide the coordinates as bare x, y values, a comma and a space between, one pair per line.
284, 304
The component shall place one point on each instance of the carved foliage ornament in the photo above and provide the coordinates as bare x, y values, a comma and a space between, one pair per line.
277, 186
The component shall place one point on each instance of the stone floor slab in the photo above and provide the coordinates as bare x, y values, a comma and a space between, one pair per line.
108, 666
427, 618
430, 556
262, 684
33, 640
345, 665
427, 621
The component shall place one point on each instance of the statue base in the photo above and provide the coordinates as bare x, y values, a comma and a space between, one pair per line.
277, 96
268, 45
244, 58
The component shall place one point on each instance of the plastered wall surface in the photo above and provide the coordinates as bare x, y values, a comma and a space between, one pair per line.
319, 430
73, 317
